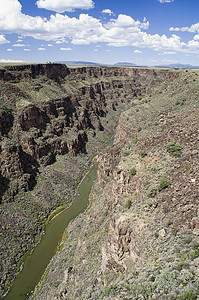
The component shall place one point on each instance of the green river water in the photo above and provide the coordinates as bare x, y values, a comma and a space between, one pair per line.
36, 263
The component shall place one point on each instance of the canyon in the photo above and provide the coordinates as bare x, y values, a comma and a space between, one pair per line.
139, 239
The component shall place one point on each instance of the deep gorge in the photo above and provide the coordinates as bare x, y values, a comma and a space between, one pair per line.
52, 119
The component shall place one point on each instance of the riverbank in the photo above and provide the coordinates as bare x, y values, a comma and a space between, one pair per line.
36, 264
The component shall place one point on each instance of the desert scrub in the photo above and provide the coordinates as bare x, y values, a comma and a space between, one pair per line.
135, 140
186, 168
128, 203
126, 153
149, 202
195, 253
189, 295
133, 171
163, 184
152, 191
143, 153
174, 148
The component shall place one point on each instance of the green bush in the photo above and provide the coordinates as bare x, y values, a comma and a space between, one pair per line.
135, 140
190, 295
149, 202
139, 128
163, 184
143, 153
186, 168
133, 171
126, 152
174, 148
195, 253
152, 191
128, 203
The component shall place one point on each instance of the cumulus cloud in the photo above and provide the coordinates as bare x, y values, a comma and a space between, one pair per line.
41, 49
137, 51
65, 49
65, 5
9, 50
193, 28
107, 11
19, 45
169, 52
119, 31
26, 49
3, 40
11, 61
166, 1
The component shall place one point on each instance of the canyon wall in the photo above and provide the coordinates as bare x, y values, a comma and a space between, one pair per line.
52, 119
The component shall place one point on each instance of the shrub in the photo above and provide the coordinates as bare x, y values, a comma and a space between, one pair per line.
152, 191
128, 203
135, 140
139, 128
126, 152
174, 148
195, 253
186, 168
190, 295
143, 153
149, 202
163, 184
133, 171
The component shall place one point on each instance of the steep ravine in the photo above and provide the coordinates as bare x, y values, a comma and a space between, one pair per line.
53, 118
140, 238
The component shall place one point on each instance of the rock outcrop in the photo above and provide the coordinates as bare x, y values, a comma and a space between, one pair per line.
140, 238
52, 119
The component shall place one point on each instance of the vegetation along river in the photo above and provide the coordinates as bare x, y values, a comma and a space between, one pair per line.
36, 263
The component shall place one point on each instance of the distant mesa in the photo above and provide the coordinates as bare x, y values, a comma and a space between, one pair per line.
125, 64
89, 63
178, 66
78, 63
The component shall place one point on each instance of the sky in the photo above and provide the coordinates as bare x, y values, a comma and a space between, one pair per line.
144, 32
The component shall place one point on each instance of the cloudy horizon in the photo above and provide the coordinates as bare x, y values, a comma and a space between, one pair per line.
145, 32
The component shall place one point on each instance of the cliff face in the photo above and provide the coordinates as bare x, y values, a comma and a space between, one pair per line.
140, 238
52, 119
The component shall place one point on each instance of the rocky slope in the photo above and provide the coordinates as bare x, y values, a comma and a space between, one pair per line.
52, 119
140, 238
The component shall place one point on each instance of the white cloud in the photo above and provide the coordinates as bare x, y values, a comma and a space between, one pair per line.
19, 45
50, 45
65, 5
137, 51
41, 49
193, 28
65, 49
165, 1
107, 11
11, 61
9, 50
3, 40
169, 52
95, 50
26, 49
118, 32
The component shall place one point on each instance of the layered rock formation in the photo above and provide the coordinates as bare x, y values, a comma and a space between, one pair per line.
140, 239
53, 118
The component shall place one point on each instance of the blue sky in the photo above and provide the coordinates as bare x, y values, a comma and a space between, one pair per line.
145, 32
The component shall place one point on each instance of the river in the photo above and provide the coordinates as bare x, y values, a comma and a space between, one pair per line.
37, 262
